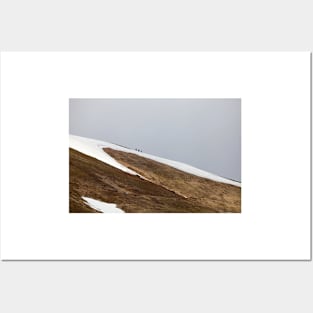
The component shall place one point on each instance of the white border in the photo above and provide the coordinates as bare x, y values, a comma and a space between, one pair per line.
275, 92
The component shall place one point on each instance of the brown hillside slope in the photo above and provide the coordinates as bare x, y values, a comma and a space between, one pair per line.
167, 190
209, 193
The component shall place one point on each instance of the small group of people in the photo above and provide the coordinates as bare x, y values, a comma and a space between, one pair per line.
138, 150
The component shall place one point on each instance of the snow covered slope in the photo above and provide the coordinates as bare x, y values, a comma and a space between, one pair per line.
94, 148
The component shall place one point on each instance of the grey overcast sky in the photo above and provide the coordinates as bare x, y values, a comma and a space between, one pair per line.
205, 133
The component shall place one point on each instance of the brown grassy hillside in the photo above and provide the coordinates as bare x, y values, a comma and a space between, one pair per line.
165, 190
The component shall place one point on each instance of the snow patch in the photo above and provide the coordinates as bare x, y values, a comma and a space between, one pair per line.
104, 207
94, 149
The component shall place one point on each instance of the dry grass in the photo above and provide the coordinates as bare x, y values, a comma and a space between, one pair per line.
167, 190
